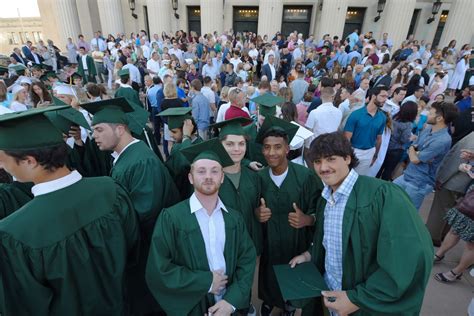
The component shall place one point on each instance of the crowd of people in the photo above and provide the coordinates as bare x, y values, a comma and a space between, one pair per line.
230, 152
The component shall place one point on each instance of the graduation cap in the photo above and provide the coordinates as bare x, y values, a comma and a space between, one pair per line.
176, 116
268, 103
16, 130
17, 88
65, 118
232, 126
76, 75
301, 282
118, 111
62, 89
57, 101
123, 72
274, 123
210, 149
25, 80
3, 70
19, 69
39, 67
51, 74
251, 131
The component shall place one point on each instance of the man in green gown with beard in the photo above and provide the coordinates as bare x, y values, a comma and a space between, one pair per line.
202, 258
287, 209
139, 170
66, 251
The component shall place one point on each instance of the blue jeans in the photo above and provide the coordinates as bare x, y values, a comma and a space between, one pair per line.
416, 193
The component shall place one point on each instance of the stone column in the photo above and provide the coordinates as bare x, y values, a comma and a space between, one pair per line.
270, 15
111, 17
160, 16
333, 17
67, 18
396, 18
212, 16
459, 25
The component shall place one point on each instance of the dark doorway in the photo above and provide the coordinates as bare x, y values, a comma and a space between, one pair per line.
296, 18
414, 20
147, 25
245, 19
440, 28
354, 20
194, 19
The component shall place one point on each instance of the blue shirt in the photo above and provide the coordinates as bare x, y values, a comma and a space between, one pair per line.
431, 147
353, 54
365, 128
151, 94
464, 104
333, 221
201, 110
159, 98
182, 94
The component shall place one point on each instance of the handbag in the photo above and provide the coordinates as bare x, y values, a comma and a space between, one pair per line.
466, 205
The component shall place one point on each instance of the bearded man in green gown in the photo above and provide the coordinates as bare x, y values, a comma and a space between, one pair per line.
202, 258
66, 251
370, 243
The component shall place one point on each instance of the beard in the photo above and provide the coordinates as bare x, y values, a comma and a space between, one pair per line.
207, 187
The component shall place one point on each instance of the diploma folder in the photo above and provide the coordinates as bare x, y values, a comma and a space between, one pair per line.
302, 282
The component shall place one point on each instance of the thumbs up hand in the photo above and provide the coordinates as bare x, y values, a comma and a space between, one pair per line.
298, 219
262, 212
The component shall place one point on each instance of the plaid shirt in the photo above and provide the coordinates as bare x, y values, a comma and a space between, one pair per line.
333, 220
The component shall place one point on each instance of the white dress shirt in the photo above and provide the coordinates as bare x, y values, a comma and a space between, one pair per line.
153, 65
57, 184
324, 119
134, 73
213, 232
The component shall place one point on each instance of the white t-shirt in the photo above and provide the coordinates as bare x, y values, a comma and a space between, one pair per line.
324, 119
278, 180
209, 94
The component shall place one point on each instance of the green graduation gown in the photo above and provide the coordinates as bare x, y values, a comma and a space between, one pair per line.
66, 252
281, 242
13, 196
151, 189
179, 167
178, 272
130, 94
245, 199
387, 250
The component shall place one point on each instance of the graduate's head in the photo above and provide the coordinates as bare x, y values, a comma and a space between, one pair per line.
207, 162
29, 158
233, 137
109, 135
114, 121
275, 147
179, 119
333, 157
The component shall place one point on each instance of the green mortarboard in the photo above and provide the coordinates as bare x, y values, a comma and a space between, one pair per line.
210, 149
64, 119
43, 78
176, 116
232, 126
123, 72
16, 130
51, 74
3, 70
251, 131
76, 75
39, 66
272, 122
19, 69
268, 102
118, 111
301, 282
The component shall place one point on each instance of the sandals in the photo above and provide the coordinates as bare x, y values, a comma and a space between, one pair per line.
437, 258
445, 278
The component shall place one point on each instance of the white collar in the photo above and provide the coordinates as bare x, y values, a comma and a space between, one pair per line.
116, 155
196, 205
328, 104
57, 184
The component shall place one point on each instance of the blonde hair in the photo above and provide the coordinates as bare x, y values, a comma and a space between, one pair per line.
170, 91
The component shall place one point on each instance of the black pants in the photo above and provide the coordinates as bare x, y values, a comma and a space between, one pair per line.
390, 163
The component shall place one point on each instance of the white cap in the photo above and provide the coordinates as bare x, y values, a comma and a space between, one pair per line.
17, 88
188, 61
419, 67
166, 62
466, 53
24, 79
64, 90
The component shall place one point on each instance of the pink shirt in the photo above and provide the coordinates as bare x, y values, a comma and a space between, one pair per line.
302, 113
